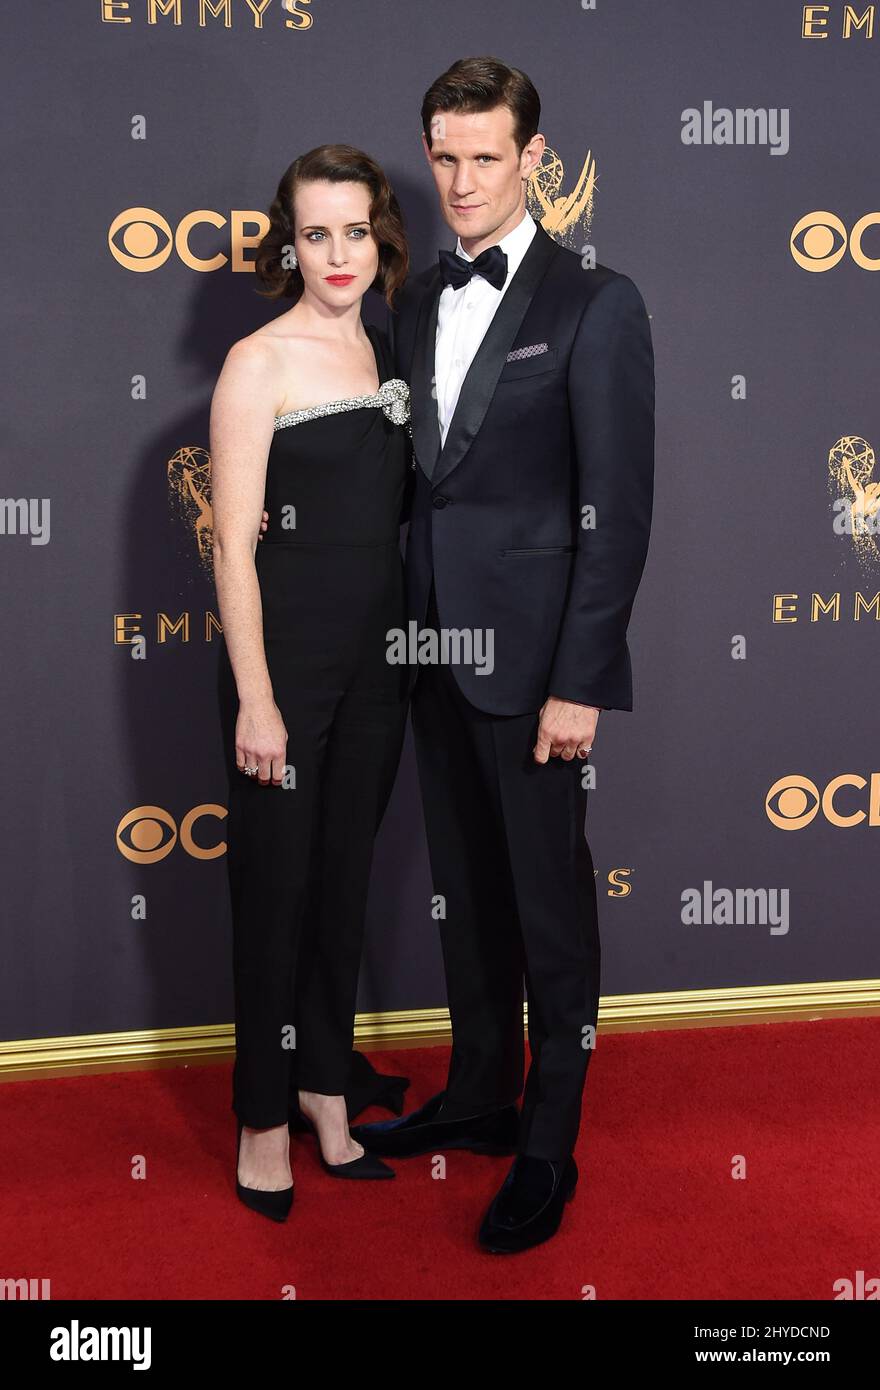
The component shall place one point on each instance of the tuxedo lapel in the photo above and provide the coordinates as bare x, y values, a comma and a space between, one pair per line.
479, 384
423, 397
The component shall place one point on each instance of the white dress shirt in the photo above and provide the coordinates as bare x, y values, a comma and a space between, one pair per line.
464, 315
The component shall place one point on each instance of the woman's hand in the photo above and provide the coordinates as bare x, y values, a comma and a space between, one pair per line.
263, 524
261, 741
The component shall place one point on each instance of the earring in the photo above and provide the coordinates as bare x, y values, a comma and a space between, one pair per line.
293, 261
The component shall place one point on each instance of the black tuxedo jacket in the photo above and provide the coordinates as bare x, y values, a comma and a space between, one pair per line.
497, 515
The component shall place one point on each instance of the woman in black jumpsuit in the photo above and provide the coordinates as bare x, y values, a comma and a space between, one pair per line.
330, 577
299, 856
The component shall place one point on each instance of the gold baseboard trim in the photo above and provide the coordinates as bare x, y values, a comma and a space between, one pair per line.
31, 1058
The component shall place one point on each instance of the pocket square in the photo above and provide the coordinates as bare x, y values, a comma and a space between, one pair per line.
519, 353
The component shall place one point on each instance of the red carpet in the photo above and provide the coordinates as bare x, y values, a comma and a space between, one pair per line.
656, 1215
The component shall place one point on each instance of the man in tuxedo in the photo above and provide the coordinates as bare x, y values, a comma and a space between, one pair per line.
532, 398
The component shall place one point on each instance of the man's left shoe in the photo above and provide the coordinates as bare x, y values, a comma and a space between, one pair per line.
427, 1131
528, 1207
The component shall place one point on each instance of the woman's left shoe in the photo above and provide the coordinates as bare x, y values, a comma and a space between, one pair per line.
367, 1166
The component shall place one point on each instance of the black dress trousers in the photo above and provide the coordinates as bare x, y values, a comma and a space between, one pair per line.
509, 856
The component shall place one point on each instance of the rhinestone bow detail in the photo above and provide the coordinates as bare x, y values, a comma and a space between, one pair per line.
393, 396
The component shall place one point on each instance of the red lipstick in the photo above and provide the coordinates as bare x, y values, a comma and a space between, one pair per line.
339, 279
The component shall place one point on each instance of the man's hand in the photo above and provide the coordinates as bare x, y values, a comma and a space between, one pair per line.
565, 728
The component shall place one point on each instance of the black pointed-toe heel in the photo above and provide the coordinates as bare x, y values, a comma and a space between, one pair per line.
366, 1166
276, 1205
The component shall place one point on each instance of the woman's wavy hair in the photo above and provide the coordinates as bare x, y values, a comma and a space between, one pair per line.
334, 164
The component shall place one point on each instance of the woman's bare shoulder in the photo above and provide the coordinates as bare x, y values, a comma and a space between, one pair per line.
258, 347
249, 380
271, 349
261, 359
281, 333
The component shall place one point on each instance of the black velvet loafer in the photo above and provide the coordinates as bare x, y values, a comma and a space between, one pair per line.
426, 1131
528, 1207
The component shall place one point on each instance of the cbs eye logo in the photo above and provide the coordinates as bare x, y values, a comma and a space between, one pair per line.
141, 239
795, 801
820, 239
148, 833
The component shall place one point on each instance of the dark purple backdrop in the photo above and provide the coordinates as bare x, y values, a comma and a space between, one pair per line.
743, 507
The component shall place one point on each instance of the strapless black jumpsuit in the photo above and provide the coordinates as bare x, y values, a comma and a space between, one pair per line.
299, 857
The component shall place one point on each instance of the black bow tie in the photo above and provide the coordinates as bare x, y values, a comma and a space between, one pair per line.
491, 264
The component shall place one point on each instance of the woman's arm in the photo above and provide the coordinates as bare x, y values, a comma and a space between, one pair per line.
242, 416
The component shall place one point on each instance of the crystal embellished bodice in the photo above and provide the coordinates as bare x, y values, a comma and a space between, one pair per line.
336, 472
392, 397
